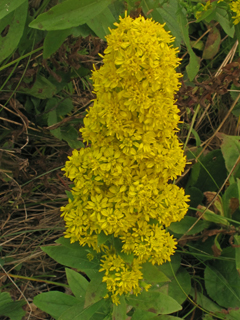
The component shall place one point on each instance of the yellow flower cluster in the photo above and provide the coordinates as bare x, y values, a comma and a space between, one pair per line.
122, 180
235, 7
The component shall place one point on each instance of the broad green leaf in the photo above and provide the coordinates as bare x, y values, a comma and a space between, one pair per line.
16, 22
156, 302
175, 263
222, 282
96, 290
73, 258
70, 134
8, 6
232, 314
221, 16
101, 23
55, 302
76, 312
143, 315
180, 288
120, 311
204, 302
54, 40
209, 173
237, 29
185, 224
64, 107
42, 88
230, 149
74, 144
68, 14
10, 308
152, 274
78, 284
168, 14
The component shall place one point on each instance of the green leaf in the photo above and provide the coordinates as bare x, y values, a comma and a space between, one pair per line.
143, 315
212, 44
237, 29
196, 196
211, 216
230, 149
120, 311
64, 107
204, 302
152, 274
166, 317
8, 6
237, 252
42, 88
156, 302
101, 23
180, 288
76, 312
70, 13
177, 289
209, 172
194, 62
78, 284
54, 40
230, 200
16, 22
175, 263
222, 282
55, 302
96, 290
70, 134
73, 258
10, 308
168, 13
221, 16
185, 224
102, 238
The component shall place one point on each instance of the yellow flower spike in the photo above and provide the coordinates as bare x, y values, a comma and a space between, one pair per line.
235, 7
122, 181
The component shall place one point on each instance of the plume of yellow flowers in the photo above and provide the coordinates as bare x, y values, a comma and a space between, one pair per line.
235, 7
122, 180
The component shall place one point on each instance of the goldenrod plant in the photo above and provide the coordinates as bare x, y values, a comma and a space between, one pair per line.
122, 180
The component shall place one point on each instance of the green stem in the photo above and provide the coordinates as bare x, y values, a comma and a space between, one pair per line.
20, 58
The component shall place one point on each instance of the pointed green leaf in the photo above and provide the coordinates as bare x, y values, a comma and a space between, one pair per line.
16, 22
78, 313
78, 284
96, 290
223, 284
156, 302
120, 311
101, 23
8, 6
54, 40
73, 258
68, 14
152, 274
55, 302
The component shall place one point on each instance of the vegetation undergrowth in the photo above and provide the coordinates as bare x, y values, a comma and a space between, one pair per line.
150, 225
